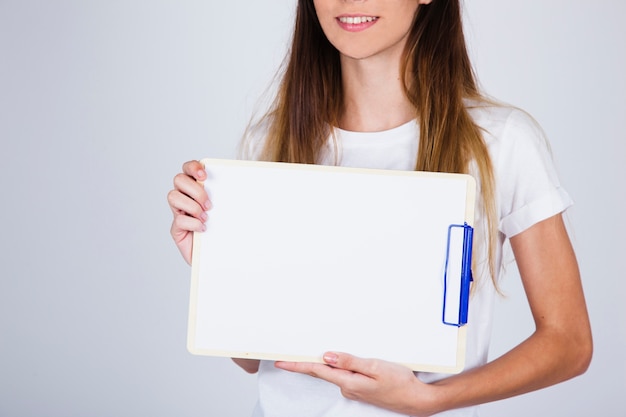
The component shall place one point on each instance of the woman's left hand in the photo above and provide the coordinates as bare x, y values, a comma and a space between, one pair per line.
560, 347
380, 383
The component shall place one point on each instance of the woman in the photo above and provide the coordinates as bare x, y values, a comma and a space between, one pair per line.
388, 84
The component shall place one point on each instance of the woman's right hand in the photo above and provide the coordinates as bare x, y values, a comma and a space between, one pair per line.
189, 203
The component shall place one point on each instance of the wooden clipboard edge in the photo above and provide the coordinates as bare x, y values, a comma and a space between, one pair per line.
470, 204
460, 359
332, 168
469, 219
193, 292
193, 297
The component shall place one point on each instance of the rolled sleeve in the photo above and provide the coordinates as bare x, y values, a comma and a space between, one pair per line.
528, 186
553, 203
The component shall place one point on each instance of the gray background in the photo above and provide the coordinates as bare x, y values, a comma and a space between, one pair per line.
101, 102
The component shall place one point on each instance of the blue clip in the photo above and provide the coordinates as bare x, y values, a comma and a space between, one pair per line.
466, 275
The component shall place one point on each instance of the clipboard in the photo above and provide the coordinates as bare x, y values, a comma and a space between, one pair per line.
301, 259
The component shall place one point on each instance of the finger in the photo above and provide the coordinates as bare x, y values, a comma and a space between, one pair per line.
190, 187
182, 225
368, 367
194, 169
337, 376
181, 204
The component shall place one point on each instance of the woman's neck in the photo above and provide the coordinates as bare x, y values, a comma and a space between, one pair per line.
374, 97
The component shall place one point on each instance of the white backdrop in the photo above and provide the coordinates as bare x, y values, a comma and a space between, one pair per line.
101, 102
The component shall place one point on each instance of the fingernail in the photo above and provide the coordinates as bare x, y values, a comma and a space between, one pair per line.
203, 217
331, 358
207, 205
200, 173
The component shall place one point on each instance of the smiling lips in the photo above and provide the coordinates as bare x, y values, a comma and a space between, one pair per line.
356, 23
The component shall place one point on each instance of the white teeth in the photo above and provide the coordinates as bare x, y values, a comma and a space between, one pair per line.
357, 20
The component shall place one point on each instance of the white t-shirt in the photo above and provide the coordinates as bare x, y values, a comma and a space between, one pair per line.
527, 191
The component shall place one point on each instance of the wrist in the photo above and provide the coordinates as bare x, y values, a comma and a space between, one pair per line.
428, 399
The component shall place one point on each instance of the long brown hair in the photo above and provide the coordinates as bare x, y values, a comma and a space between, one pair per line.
437, 76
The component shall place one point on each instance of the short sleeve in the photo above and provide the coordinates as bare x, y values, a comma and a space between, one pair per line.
527, 184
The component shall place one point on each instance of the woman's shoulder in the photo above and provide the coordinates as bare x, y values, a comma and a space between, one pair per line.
504, 122
488, 112
253, 140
